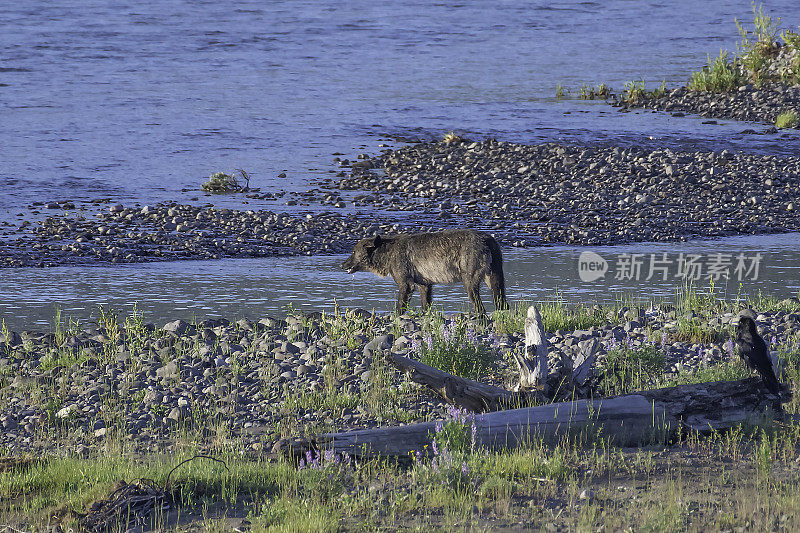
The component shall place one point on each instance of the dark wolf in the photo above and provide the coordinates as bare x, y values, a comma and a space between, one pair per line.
422, 259
753, 350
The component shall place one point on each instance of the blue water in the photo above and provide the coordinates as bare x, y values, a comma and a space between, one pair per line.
255, 288
136, 101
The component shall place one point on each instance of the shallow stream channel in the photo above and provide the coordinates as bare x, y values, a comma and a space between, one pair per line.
254, 288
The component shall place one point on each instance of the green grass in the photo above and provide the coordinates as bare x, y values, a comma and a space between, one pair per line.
556, 315
589, 92
719, 76
453, 346
220, 182
757, 46
701, 483
787, 119
634, 91
629, 369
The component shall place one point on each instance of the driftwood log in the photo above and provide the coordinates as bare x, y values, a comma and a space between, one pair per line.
628, 420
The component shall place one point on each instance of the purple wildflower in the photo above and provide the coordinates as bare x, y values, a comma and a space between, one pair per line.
663, 339
464, 468
301, 464
429, 341
773, 341
729, 346
328, 456
435, 447
446, 333
438, 427
416, 345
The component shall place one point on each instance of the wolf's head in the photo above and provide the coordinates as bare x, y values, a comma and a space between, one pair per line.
362, 258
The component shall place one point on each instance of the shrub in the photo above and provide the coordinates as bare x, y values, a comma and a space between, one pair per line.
220, 182
629, 368
718, 76
455, 347
787, 119
634, 91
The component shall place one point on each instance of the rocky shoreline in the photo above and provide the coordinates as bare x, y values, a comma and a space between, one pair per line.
747, 103
526, 195
130, 382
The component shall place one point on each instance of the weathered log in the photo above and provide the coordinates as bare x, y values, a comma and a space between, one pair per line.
626, 421
629, 420
480, 397
532, 364
462, 392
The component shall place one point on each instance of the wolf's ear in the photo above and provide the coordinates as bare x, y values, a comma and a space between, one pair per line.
375, 241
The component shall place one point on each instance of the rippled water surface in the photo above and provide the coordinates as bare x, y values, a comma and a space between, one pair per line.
254, 288
136, 101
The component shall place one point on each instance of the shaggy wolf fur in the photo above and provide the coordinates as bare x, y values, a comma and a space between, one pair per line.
422, 259
753, 350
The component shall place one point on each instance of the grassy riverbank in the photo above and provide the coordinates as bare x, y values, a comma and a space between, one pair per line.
78, 417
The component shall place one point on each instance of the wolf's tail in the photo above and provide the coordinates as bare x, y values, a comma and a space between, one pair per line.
497, 281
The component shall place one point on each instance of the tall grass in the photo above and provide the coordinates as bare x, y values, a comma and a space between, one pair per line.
719, 76
787, 119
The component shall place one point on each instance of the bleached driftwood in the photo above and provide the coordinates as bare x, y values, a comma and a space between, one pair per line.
627, 420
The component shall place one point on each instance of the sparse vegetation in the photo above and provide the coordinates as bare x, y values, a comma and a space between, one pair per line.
452, 137
452, 483
719, 76
589, 92
634, 91
787, 119
757, 46
220, 182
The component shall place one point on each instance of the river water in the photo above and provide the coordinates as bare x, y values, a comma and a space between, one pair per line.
136, 101
255, 288
139, 101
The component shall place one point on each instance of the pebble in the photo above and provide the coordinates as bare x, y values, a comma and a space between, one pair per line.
152, 396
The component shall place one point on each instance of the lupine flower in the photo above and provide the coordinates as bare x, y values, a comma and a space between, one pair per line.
429, 342
416, 345
446, 334
773, 341
301, 464
729, 345
663, 339
435, 447
464, 468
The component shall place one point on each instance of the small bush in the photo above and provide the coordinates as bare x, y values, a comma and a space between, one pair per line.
451, 137
220, 182
718, 76
787, 119
630, 369
455, 347
559, 91
634, 91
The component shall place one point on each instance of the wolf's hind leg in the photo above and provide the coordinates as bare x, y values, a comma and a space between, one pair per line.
426, 295
497, 285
